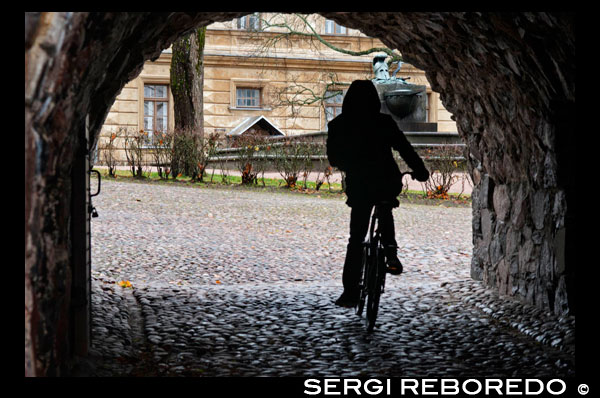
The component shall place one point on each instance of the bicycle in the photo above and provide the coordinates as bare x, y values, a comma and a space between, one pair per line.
373, 270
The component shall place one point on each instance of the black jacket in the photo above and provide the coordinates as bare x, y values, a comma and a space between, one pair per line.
360, 142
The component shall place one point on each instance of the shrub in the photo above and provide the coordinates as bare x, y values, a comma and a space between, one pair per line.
190, 153
248, 147
219, 143
206, 149
134, 152
290, 158
444, 163
309, 150
108, 149
161, 152
182, 153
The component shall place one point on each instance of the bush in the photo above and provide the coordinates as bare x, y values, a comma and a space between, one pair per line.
134, 152
444, 163
190, 153
291, 157
308, 150
182, 153
108, 149
207, 148
161, 152
248, 163
220, 143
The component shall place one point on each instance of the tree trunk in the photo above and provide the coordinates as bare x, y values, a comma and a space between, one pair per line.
187, 79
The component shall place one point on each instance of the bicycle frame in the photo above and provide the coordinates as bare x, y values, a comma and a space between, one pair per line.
374, 269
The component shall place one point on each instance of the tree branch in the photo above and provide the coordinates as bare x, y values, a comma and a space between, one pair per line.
391, 53
313, 34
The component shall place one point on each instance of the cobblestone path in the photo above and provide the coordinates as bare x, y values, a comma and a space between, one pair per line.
234, 282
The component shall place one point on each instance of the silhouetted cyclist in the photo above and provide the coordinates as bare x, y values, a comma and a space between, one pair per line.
360, 142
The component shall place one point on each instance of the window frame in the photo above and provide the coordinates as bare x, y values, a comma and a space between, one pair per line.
245, 22
258, 97
149, 141
343, 31
260, 84
335, 105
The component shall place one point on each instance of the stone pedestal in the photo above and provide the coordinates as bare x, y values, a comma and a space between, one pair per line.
407, 104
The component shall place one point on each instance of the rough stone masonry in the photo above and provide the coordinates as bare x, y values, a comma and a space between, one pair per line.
508, 79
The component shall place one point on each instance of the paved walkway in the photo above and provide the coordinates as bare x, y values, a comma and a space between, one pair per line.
232, 282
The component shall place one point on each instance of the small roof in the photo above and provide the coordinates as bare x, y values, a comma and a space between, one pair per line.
253, 120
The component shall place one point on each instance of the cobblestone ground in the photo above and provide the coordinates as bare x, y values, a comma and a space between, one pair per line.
233, 282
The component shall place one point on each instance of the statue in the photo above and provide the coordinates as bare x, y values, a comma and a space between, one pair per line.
405, 102
381, 72
380, 68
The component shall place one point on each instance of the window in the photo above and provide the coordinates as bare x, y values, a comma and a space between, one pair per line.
156, 105
333, 104
249, 22
247, 97
331, 27
248, 94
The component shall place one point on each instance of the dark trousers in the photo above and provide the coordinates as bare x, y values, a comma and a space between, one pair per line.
359, 225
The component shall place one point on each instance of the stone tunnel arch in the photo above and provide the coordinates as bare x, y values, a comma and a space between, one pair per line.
509, 80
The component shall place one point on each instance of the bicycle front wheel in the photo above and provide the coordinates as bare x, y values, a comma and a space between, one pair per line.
363, 280
374, 294
372, 309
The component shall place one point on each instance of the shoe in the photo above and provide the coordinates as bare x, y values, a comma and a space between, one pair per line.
347, 300
394, 266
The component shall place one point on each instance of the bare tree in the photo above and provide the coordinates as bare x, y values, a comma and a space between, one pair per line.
281, 30
286, 26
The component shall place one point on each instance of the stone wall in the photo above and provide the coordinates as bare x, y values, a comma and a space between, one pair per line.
75, 65
509, 80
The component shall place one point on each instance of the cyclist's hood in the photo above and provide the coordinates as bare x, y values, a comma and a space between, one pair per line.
361, 99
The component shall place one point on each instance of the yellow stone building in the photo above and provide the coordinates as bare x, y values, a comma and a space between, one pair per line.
252, 70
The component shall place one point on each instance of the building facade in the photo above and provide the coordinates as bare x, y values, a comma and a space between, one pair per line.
254, 70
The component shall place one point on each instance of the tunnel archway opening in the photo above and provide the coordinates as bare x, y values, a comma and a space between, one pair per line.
503, 76
215, 260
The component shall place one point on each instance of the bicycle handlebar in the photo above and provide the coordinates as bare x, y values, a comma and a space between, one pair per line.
411, 173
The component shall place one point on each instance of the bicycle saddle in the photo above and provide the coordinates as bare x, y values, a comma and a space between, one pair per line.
385, 203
